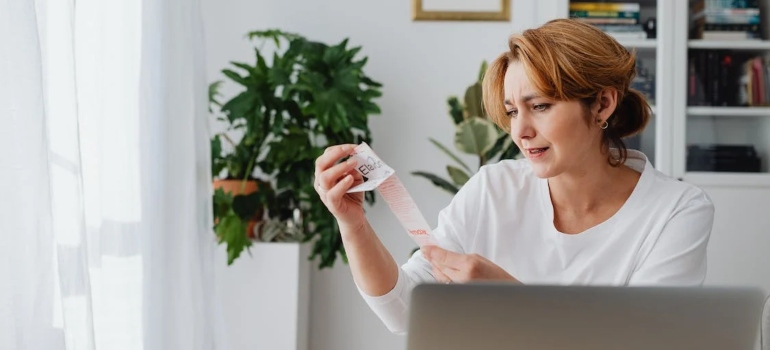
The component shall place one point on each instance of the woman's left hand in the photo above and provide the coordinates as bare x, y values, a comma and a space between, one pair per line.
451, 267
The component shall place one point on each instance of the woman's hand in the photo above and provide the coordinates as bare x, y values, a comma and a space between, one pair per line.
332, 181
451, 267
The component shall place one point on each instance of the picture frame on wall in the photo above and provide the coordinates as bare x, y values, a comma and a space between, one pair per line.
461, 10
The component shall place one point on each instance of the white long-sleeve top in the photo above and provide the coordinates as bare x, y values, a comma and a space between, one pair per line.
504, 213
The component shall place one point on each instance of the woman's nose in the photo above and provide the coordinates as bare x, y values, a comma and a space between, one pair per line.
521, 127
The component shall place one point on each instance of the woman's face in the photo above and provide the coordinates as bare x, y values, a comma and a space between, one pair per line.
553, 135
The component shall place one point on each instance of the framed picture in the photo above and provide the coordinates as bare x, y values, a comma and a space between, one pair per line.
461, 10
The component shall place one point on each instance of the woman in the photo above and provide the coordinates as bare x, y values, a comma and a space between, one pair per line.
579, 209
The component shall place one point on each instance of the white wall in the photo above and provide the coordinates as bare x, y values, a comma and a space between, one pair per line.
739, 248
420, 65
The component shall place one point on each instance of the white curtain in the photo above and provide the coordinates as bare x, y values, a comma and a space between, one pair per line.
105, 219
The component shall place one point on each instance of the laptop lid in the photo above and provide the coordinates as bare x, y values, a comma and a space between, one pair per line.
506, 316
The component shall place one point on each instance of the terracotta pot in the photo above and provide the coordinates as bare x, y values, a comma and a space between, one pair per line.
237, 188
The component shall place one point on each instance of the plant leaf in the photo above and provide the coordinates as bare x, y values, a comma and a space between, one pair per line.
232, 231
510, 151
473, 101
243, 66
502, 143
476, 136
214, 92
455, 110
239, 106
450, 154
247, 206
222, 202
458, 176
235, 77
217, 162
444, 184
482, 70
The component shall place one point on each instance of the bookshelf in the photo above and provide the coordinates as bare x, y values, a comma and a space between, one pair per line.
651, 51
751, 45
723, 117
639, 43
677, 123
710, 179
737, 112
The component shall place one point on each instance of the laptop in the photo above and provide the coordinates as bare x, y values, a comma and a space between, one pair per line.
507, 316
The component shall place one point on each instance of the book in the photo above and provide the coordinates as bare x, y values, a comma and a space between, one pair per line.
728, 35
604, 6
720, 78
735, 19
627, 35
605, 14
620, 27
607, 20
751, 28
723, 16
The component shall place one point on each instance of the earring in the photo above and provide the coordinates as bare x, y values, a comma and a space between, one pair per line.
604, 125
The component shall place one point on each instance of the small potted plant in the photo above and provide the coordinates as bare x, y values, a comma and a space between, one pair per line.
474, 134
297, 97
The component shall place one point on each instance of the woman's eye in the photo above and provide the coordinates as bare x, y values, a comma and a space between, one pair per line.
541, 107
512, 113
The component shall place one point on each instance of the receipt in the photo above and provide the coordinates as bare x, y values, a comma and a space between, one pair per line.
379, 175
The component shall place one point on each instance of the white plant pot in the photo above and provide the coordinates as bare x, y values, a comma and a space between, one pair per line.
264, 297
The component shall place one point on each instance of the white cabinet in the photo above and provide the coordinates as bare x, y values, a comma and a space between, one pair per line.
676, 125
264, 297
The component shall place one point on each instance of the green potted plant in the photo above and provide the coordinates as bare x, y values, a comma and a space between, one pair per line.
298, 97
474, 134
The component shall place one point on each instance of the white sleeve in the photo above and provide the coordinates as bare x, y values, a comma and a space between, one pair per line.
455, 225
393, 307
678, 257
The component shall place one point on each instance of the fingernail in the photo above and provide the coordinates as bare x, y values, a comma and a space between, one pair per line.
346, 148
352, 161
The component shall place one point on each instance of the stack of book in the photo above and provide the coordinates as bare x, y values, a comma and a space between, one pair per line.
644, 81
618, 19
725, 19
724, 78
755, 82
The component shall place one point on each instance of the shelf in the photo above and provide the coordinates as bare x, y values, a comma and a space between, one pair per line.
728, 179
639, 43
729, 111
729, 45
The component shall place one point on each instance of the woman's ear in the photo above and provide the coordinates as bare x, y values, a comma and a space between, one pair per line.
605, 105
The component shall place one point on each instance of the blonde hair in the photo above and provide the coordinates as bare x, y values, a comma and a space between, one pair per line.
569, 60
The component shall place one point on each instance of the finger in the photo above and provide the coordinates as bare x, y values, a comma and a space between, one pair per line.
357, 177
445, 258
331, 155
329, 178
335, 194
454, 275
440, 276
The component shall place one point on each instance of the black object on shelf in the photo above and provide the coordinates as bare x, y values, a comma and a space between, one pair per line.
723, 158
651, 27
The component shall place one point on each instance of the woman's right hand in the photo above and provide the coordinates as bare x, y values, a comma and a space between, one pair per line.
332, 181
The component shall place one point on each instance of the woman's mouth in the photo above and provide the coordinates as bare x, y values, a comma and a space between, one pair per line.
534, 153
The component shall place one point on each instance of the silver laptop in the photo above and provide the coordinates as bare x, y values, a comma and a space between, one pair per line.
506, 316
